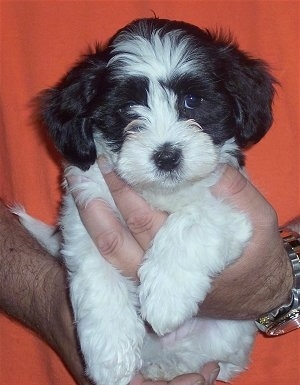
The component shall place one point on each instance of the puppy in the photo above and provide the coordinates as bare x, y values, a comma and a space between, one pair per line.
166, 103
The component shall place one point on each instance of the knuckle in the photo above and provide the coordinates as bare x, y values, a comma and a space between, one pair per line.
140, 222
118, 187
108, 243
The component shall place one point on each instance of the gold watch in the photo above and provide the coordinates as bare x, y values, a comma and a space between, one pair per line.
287, 317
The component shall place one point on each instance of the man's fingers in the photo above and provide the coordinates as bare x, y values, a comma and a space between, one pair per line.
109, 235
142, 221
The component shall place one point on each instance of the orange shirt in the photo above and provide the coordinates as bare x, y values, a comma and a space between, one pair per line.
39, 42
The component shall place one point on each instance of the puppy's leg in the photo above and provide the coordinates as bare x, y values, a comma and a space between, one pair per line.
104, 302
192, 247
109, 329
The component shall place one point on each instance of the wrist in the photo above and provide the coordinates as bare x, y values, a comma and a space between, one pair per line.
286, 317
284, 283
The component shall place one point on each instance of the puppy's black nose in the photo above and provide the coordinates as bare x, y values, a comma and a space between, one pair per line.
167, 157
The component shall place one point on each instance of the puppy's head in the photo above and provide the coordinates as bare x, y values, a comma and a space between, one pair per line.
164, 100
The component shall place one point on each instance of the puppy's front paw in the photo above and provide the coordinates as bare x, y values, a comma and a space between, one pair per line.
112, 357
165, 314
110, 331
173, 277
165, 301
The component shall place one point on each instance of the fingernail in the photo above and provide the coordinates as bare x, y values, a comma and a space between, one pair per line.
213, 376
105, 166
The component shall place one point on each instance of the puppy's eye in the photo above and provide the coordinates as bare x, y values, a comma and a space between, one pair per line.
192, 101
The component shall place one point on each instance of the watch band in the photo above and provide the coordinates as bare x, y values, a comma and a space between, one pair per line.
287, 317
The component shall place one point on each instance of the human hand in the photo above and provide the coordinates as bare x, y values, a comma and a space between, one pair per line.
264, 257
108, 233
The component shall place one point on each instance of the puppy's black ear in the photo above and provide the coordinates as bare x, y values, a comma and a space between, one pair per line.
66, 110
251, 85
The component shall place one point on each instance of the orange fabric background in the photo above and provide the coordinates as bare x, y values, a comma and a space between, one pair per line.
41, 39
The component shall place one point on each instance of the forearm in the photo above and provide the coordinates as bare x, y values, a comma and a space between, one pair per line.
33, 291
26, 269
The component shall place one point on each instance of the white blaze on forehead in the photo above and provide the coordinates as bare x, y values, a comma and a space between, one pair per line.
162, 105
160, 115
158, 57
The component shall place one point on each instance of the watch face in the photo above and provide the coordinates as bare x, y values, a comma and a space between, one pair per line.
285, 326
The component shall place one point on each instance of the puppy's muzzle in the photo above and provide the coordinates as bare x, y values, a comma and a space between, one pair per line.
167, 157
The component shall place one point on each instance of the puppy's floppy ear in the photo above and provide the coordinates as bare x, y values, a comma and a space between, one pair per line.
66, 108
251, 85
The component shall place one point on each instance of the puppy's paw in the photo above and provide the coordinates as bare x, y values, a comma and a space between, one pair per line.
110, 331
165, 303
166, 314
113, 358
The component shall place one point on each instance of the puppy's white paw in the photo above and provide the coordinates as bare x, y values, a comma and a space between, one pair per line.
165, 301
110, 331
113, 358
166, 314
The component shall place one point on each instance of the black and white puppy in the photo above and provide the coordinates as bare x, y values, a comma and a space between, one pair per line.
166, 103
